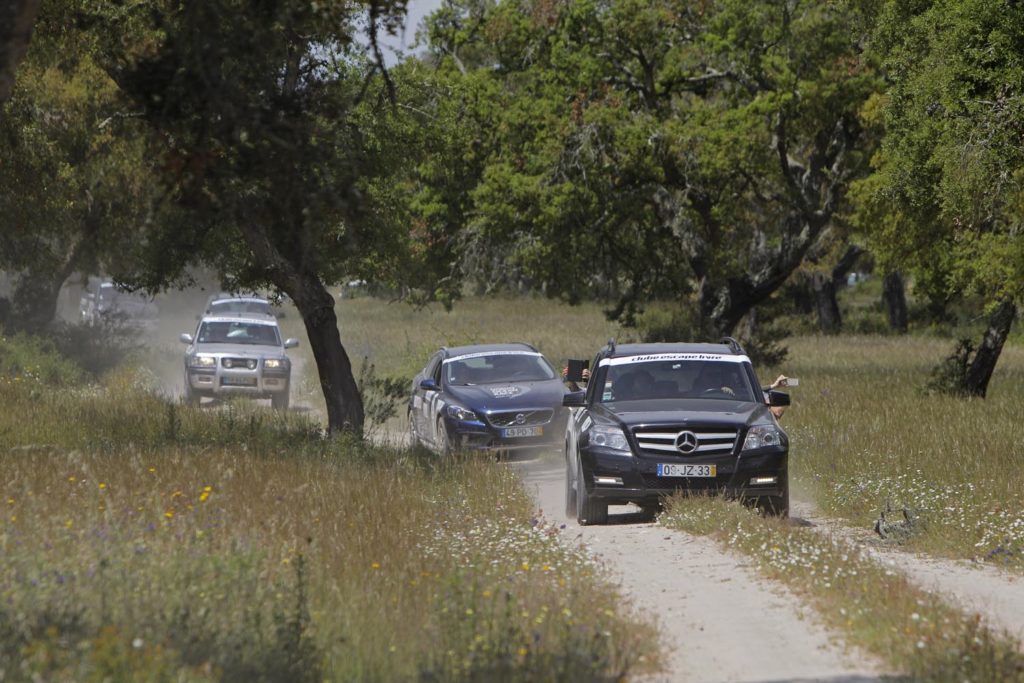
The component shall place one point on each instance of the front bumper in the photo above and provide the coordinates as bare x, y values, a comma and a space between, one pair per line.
641, 484
222, 382
477, 435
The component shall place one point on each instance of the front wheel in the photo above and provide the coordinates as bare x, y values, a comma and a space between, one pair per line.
444, 446
588, 510
775, 506
570, 485
281, 399
190, 396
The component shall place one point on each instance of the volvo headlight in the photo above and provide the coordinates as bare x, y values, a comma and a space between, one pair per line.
610, 438
273, 363
762, 436
460, 413
203, 361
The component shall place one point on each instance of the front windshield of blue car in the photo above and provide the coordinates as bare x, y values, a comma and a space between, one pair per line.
238, 332
675, 379
496, 368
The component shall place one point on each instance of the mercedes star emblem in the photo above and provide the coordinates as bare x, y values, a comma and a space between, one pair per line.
520, 419
686, 442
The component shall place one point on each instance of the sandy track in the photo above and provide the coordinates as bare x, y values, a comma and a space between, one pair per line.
719, 620
996, 595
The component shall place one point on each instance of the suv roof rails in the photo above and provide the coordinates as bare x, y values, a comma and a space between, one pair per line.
733, 345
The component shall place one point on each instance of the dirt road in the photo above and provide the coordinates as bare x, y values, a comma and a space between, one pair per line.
996, 595
719, 620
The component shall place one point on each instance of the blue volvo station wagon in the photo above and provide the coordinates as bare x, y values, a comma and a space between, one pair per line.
503, 398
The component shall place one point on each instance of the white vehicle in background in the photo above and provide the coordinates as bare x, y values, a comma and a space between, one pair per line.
238, 355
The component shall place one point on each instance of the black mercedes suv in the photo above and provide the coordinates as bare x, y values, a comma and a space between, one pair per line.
655, 419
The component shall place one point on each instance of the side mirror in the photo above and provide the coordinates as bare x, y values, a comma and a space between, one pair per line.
185, 338
428, 384
574, 399
778, 399
291, 343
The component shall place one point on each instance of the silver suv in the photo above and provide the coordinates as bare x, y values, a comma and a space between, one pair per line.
238, 355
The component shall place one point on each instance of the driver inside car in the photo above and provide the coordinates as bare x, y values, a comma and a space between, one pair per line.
714, 378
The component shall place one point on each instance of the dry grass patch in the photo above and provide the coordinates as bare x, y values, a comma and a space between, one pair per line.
141, 542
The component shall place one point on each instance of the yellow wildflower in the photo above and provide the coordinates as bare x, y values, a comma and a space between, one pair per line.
375, 565
169, 514
102, 486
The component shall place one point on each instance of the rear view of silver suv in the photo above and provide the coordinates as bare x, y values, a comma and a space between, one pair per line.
238, 355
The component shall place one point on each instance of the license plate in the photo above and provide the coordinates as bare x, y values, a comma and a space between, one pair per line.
675, 470
239, 381
515, 432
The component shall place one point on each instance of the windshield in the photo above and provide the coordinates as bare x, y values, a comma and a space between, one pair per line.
239, 306
498, 367
232, 332
673, 379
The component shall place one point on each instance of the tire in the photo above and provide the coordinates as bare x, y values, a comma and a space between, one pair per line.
570, 488
281, 399
190, 397
588, 510
775, 506
414, 438
444, 446
649, 512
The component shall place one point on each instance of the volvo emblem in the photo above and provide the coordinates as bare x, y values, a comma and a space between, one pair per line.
520, 419
686, 442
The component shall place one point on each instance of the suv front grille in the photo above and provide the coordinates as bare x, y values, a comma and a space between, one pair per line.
705, 441
530, 418
239, 363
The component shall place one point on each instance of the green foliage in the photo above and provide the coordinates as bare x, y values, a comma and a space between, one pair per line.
950, 376
31, 360
945, 199
631, 151
76, 180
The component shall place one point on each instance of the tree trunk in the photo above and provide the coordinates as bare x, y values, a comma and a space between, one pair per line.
16, 20
984, 362
316, 305
34, 304
830, 321
895, 301
341, 393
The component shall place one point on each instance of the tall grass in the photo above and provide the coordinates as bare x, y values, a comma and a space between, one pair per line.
865, 436
145, 541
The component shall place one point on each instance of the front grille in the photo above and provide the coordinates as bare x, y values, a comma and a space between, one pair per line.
530, 418
663, 440
239, 363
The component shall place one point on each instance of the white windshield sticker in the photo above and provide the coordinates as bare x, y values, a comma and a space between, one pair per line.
484, 354
654, 357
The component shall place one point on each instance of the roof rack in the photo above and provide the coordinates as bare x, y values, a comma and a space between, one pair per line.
733, 345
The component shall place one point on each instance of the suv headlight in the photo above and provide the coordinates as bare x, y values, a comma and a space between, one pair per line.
274, 363
203, 362
762, 436
460, 413
610, 438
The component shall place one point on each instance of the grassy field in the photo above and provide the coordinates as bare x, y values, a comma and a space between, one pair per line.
865, 436
141, 540
864, 433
